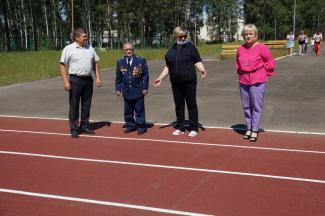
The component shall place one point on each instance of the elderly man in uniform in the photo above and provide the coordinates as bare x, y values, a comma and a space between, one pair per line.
81, 59
132, 80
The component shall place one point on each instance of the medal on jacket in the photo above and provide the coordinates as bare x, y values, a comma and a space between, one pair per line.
137, 71
123, 70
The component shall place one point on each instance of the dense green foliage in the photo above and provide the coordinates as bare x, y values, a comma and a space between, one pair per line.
47, 24
274, 18
29, 24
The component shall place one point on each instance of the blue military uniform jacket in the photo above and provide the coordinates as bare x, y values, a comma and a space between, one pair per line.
132, 80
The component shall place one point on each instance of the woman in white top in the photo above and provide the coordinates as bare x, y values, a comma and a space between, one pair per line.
290, 42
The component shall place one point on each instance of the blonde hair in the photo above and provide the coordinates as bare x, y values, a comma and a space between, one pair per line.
250, 27
178, 30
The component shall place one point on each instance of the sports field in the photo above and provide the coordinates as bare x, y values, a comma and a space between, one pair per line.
46, 172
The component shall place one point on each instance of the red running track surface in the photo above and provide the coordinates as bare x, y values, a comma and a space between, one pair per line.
203, 191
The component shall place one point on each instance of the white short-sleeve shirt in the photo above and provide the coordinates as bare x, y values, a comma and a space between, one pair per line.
79, 59
318, 37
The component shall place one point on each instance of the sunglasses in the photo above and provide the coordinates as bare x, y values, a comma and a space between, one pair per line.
182, 37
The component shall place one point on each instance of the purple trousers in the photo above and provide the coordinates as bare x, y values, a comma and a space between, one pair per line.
252, 98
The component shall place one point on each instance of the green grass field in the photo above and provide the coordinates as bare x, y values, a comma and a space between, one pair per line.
17, 67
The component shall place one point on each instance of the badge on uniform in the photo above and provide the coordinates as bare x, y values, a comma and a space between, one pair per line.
137, 71
123, 70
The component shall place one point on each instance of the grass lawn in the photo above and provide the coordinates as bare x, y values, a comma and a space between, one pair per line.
17, 67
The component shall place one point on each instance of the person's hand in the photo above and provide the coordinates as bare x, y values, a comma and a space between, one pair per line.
157, 82
145, 92
203, 74
98, 83
118, 93
67, 86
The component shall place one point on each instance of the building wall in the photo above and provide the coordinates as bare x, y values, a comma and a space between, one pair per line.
205, 34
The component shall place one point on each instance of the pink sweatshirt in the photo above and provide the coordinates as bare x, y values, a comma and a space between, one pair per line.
254, 64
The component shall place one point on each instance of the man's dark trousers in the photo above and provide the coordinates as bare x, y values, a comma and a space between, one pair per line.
81, 90
136, 106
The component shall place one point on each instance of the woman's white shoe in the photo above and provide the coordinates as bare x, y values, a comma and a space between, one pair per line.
193, 134
178, 132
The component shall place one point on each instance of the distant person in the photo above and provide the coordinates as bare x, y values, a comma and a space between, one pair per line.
306, 44
82, 61
182, 60
94, 43
254, 65
312, 45
318, 37
301, 42
132, 81
290, 43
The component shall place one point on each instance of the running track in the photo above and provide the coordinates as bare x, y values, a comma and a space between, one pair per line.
43, 171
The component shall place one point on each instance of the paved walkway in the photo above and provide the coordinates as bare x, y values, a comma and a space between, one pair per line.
295, 97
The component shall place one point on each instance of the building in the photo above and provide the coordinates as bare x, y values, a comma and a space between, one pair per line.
206, 33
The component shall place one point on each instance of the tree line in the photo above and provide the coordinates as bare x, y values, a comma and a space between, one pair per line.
35, 24
276, 18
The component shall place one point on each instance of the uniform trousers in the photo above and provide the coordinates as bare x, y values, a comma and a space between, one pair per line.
135, 107
252, 99
185, 92
81, 91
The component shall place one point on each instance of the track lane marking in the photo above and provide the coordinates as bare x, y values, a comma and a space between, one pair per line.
164, 124
170, 141
319, 181
100, 202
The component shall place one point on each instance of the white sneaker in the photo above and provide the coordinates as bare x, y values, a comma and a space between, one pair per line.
193, 134
177, 132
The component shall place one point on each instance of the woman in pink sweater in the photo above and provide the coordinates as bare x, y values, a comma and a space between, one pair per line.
254, 65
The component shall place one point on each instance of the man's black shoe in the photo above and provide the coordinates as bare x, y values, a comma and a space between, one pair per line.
129, 130
87, 131
142, 132
74, 134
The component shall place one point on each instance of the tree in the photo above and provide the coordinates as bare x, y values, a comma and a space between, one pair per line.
223, 17
274, 18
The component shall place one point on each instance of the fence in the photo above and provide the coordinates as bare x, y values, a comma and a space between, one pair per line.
50, 43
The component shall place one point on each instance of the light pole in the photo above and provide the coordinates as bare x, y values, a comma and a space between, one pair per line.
72, 16
294, 16
318, 17
195, 32
275, 29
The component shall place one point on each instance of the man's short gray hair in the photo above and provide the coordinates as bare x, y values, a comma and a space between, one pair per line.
77, 32
128, 43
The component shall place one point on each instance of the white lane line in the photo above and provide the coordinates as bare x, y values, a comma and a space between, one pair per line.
164, 124
281, 57
104, 69
166, 167
99, 202
32, 117
170, 141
